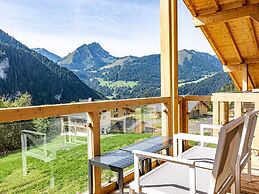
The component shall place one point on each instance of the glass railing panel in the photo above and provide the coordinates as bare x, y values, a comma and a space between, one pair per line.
44, 155
126, 126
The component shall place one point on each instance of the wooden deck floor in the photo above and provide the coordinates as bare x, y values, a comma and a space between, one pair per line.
247, 188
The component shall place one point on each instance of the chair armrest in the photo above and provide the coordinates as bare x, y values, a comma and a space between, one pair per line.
178, 141
198, 138
190, 164
165, 158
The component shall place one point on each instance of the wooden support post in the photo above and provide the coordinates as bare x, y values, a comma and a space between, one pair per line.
224, 113
216, 116
169, 64
216, 110
94, 148
174, 55
180, 114
185, 116
185, 120
237, 109
256, 138
244, 78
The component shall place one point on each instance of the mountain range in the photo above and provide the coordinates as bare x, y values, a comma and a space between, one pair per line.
25, 70
90, 71
132, 77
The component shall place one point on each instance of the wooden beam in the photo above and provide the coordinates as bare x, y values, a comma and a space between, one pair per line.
255, 17
33, 112
233, 42
174, 55
216, 115
247, 61
185, 116
191, 7
94, 148
234, 81
250, 81
213, 45
169, 64
237, 109
166, 67
197, 98
224, 113
244, 78
252, 31
226, 15
238, 67
235, 97
217, 5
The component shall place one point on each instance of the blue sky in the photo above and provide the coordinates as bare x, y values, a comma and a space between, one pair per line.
122, 27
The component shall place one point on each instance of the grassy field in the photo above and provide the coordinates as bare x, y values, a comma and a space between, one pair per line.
69, 169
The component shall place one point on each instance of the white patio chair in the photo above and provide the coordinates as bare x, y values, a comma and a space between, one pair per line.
178, 176
201, 154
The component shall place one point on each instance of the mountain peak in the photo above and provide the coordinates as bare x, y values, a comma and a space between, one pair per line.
94, 44
88, 56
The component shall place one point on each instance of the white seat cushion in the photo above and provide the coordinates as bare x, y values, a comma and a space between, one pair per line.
202, 155
172, 178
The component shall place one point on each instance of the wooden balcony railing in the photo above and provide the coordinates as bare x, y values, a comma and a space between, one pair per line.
93, 109
221, 115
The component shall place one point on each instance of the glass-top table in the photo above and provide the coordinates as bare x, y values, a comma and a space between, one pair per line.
122, 158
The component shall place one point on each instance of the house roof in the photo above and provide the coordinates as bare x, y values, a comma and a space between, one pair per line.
232, 28
192, 104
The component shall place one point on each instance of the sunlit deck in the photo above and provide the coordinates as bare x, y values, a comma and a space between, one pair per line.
247, 187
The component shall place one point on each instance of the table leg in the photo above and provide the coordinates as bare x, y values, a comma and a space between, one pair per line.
90, 177
168, 151
146, 169
149, 164
142, 167
121, 181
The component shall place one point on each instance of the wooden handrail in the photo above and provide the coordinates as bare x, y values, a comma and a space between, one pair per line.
33, 112
236, 97
196, 98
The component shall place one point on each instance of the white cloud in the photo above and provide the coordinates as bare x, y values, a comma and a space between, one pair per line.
128, 27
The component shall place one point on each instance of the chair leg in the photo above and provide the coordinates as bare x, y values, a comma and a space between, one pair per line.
233, 189
249, 170
236, 187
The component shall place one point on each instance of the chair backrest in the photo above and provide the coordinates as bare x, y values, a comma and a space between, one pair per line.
250, 124
223, 172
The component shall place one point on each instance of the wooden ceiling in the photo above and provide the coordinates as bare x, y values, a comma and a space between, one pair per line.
232, 28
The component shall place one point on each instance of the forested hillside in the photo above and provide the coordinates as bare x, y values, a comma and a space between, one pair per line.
133, 77
23, 70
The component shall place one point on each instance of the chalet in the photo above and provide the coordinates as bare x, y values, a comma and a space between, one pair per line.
121, 112
197, 108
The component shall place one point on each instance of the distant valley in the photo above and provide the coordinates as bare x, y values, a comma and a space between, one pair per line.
133, 77
92, 72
